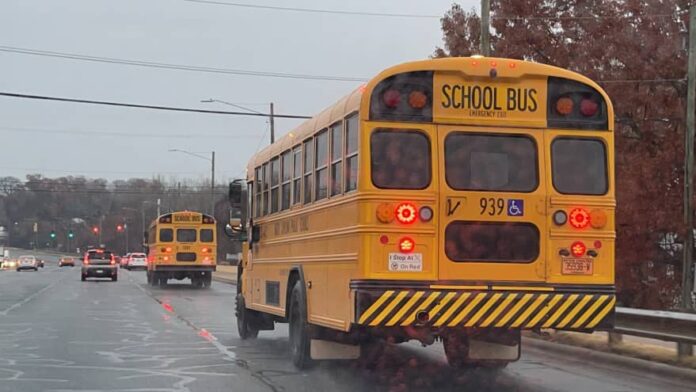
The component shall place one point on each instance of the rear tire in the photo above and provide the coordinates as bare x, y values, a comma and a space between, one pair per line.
114, 278
84, 278
207, 279
244, 327
456, 347
162, 281
299, 328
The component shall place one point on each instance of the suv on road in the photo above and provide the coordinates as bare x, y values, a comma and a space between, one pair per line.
137, 260
99, 263
27, 262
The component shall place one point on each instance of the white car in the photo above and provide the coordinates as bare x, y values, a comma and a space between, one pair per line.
27, 262
137, 260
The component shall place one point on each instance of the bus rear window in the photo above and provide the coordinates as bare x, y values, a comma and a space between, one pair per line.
579, 166
166, 235
186, 235
400, 159
477, 162
206, 235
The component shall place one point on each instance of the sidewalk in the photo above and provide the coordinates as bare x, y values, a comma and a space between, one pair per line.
226, 274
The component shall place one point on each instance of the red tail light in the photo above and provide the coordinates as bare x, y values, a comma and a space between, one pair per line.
579, 218
578, 248
85, 261
113, 260
392, 98
406, 245
205, 250
406, 213
588, 107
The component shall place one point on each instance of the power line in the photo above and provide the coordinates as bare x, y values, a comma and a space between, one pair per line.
124, 134
317, 11
180, 67
153, 107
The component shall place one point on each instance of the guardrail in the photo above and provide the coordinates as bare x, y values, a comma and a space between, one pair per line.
676, 327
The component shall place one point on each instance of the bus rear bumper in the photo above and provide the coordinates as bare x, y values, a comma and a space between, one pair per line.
183, 268
440, 306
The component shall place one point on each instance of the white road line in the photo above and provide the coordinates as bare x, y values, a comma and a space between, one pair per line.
29, 298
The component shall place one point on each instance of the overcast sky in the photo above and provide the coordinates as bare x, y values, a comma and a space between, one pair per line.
57, 139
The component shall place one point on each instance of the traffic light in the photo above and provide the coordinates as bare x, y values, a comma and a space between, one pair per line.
53, 234
95, 230
119, 228
71, 234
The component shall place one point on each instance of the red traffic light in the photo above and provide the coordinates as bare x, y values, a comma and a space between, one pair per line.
95, 230
119, 228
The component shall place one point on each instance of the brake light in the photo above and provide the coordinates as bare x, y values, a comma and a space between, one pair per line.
588, 107
579, 218
406, 245
406, 213
205, 250
564, 106
165, 258
578, 248
417, 99
85, 261
113, 260
391, 98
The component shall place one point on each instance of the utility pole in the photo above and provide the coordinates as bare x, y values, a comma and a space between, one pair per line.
272, 122
212, 180
485, 28
688, 272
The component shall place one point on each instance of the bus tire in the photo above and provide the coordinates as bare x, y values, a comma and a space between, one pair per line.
162, 280
299, 328
244, 327
456, 347
197, 281
207, 279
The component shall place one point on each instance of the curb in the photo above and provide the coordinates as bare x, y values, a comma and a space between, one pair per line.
222, 279
600, 357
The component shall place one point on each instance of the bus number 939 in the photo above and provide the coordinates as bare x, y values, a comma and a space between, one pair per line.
491, 206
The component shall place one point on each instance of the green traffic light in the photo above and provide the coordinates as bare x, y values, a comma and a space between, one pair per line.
53, 234
70, 234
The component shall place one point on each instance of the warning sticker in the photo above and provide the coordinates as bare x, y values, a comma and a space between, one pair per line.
406, 262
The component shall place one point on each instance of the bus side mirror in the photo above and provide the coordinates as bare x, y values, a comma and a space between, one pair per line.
235, 230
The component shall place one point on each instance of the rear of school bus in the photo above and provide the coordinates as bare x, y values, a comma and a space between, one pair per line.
182, 245
491, 205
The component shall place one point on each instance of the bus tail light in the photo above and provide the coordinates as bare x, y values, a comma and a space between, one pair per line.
578, 248
406, 245
385, 213
560, 218
425, 214
564, 106
113, 260
85, 261
205, 250
588, 107
579, 218
406, 213
598, 219
417, 99
165, 258
392, 98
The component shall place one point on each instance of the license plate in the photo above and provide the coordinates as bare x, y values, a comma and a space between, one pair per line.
577, 266
100, 271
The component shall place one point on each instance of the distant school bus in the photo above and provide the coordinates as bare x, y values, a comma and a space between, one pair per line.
182, 245
460, 199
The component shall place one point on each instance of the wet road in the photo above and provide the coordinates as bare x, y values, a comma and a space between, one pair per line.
60, 334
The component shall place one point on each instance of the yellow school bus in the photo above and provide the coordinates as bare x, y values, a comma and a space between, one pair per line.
459, 199
182, 245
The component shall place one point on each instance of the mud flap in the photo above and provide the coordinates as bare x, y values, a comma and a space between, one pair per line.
326, 349
485, 350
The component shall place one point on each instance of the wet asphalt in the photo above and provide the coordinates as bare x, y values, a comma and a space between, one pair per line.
60, 334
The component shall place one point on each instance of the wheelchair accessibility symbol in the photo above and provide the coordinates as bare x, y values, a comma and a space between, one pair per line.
515, 207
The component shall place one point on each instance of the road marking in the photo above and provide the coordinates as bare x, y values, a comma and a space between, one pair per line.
29, 298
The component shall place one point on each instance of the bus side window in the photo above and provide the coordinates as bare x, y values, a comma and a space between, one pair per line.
351, 171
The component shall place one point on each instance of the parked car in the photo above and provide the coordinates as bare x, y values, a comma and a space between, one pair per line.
27, 262
99, 263
66, 261
137, 260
